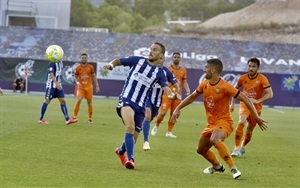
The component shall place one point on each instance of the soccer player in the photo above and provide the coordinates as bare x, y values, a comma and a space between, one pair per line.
258, 89
216, 98
143, 74
85, 77
153, 103
54, 90
181, 76
18, 84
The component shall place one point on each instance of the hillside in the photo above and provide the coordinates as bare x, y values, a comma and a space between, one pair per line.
266, 21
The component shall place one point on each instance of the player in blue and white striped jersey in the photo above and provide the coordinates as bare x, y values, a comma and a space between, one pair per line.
153, 103
143, 74
54, 90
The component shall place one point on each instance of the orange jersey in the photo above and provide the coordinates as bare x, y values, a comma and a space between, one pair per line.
253, 88
84, 75
216, 99
180, 75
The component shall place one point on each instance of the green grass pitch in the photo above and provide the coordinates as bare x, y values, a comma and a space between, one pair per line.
82, 155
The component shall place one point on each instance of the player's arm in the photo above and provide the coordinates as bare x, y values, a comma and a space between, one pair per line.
262, 123
58, 86
186, 87
188, 100
1, 92
112, 64
267, 96
231, 108
95, 82
168, 91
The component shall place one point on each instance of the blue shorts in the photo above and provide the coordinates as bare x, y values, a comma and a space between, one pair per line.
54, 93
139, 113
153, 108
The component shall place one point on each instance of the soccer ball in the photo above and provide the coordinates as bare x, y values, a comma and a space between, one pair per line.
54, 53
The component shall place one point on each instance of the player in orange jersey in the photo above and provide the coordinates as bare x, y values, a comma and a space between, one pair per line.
216, 98
85, 77
180, 74
256, 87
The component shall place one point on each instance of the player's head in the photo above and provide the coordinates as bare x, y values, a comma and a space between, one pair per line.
157, 51
176, 57
83, 58
253, 66
213, 67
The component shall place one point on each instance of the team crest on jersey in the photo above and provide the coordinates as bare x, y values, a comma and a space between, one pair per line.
68, 73
24, 69
217, 90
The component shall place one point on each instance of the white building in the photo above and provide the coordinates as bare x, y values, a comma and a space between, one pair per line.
50, 14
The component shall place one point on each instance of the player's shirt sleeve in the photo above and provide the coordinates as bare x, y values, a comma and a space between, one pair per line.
162, 80
265, 82
170, 76
51, 68
131, 60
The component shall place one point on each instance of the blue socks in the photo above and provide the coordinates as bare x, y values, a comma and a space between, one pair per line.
129, 144
43, 110
146, 129
64, 111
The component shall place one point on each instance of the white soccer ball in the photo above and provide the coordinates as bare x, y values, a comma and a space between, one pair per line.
54, 53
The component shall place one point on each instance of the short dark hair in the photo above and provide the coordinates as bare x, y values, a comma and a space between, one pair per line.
176, 53
254, 60
163, 49
216, 63
83, 54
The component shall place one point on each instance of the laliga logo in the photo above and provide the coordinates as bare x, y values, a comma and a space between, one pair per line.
68, 73
229, 77
144, 52
24, 70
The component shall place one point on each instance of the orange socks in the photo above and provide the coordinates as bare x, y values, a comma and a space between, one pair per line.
211, 157
224, 153
159, 120
239, 135
247, 139
90, 111
76, 109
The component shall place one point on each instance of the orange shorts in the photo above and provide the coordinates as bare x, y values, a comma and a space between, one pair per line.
226, 126
86, 92
168, 103
245, 111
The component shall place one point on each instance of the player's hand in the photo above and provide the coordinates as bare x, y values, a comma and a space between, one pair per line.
254, 101
171, 96
231, 108
263, 125
109, 66
1, 92
97, 89
175, 115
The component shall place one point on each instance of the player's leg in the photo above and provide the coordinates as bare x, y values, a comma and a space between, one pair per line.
248, 133
204, 145
217, 138
127, 114
79, 96
21, 88
146, 128
89, 98
48, 97
171, 124
166, 103
239, 131
63, 106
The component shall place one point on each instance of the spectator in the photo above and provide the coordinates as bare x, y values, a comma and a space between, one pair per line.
18, 84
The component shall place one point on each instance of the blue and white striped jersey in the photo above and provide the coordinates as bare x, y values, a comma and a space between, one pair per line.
56, 69
157, 92
141, 78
